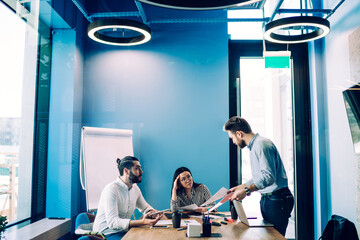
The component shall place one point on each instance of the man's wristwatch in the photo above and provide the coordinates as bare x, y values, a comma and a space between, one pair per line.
247, 191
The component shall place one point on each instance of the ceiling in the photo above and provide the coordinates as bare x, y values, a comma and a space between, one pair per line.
150, 14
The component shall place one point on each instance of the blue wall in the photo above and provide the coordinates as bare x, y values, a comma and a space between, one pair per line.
173, 93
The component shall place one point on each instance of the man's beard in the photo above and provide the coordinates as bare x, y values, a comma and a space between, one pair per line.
134, 179
242, 144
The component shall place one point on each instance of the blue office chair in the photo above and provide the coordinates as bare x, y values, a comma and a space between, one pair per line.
83, 224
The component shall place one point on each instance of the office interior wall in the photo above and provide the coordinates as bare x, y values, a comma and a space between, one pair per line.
63, 188
173, 93
339, 163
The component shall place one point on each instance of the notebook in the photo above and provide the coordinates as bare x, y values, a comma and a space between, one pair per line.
258, 222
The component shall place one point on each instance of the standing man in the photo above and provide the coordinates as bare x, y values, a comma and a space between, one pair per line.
268, 174
119, 199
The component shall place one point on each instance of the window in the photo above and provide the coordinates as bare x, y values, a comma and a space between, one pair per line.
18, 82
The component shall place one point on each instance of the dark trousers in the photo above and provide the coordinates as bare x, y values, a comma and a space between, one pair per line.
276, 208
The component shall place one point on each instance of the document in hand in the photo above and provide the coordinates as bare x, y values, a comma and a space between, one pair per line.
219, 194
191, 207
225, 199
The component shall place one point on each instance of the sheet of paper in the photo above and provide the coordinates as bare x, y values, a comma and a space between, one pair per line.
189, 207
163, 222
219, 194
186, 222
225, 199
169, 222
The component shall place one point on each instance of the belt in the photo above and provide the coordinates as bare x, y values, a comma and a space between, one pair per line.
277, 192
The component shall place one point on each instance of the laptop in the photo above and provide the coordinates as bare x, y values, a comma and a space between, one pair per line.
258, 222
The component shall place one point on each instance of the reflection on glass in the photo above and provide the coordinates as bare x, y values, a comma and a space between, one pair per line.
352, 105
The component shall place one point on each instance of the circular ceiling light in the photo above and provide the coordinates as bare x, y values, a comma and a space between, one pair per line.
199, 4
296, 29
119, 32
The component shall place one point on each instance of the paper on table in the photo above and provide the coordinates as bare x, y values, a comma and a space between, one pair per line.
169, 222
163, 222
187, 222
189, 207
219, 194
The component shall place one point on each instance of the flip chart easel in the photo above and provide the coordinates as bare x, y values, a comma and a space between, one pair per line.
100, 147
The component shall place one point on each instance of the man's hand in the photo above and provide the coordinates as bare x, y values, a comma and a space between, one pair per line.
154, 213
236, 188
239, 192
147, 220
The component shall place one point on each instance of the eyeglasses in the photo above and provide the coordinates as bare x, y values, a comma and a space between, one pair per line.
186, 178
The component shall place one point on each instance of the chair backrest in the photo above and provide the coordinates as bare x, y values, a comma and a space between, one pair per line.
339, 228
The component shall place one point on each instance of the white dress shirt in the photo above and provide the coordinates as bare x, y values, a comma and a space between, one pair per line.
117, 204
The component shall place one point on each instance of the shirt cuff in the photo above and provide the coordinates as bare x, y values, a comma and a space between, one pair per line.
127, 225
248, 183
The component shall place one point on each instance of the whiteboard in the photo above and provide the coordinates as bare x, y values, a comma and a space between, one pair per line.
100, 147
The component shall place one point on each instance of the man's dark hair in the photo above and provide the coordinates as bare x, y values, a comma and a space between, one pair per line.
237, 123
126, 162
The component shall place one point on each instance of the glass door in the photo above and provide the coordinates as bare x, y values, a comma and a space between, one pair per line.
265, 100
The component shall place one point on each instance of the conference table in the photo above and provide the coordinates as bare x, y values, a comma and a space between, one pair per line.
229, 231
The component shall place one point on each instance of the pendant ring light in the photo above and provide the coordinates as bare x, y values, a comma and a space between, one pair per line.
321, 26
98, 31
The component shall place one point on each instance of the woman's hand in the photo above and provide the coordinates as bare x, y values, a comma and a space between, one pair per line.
201, 209
175, 187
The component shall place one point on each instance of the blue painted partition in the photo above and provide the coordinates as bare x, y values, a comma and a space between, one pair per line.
63, 188
173, 93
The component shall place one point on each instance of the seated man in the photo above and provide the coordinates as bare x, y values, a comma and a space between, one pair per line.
119, 199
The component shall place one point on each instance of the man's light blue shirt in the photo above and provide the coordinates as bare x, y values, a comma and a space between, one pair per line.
267, 168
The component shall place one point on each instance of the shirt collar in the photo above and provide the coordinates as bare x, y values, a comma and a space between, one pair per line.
122, 184
252, 141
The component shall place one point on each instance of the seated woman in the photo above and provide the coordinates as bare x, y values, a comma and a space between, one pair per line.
186, 192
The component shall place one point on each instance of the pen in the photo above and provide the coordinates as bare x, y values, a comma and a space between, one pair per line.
166, 226
215, 224
229, 220
183, 228
223, 222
